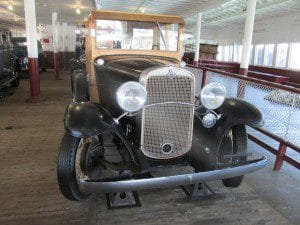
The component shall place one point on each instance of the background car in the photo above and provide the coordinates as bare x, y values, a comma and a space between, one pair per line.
20, 51
8, 73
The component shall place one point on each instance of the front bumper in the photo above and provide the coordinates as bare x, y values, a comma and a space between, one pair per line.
171, 181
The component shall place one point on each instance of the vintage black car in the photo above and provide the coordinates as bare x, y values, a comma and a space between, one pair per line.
140, 117
20, 51
8, 73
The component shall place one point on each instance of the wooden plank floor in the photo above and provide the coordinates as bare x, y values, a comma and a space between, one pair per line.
30, 136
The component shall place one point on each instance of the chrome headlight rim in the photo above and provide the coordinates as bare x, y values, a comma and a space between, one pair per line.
213, 95
131, 96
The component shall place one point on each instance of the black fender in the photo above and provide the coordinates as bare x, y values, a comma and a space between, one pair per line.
206, 141
86, 119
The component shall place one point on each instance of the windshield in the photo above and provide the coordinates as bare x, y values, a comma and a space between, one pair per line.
114, 34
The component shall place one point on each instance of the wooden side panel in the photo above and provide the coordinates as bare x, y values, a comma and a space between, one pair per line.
90, 43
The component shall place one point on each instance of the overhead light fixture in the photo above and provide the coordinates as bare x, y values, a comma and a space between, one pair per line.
78, 11
10, 6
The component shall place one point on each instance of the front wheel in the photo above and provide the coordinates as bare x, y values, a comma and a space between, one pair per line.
68, 171
233, 150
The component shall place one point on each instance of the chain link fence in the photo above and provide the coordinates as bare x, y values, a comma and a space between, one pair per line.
281, 108
198, 73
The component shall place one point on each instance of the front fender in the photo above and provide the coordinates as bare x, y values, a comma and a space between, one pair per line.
86, 119
206, 142
236, 111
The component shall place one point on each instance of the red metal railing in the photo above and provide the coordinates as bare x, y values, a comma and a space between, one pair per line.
284, 143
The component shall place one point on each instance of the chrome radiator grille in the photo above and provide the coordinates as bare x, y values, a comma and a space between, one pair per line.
167, 128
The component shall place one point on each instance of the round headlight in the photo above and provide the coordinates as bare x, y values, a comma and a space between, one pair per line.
213, 95
131, 96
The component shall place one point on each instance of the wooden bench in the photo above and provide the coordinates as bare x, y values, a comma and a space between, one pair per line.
293, 84
228, 68
269, 77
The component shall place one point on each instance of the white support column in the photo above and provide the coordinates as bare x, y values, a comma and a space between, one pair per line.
31, 31
64, 43
248, 32
55, 32
65, 36
198, 35
55, 45
59, 37
32, 49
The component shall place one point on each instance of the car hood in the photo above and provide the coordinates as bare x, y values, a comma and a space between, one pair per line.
135, 64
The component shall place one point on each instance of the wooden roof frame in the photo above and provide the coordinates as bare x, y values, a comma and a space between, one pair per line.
116, 15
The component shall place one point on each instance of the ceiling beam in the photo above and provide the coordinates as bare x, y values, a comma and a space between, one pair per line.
203, 7
141, 5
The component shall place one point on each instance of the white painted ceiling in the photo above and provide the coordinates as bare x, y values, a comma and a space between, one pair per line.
216, 13
67, 8
233, 13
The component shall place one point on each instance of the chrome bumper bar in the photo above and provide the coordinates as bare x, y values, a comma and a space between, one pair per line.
170, 181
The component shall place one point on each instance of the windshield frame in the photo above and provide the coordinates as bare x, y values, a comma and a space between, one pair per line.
158, 40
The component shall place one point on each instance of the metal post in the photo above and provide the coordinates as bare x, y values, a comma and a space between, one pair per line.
248, 32
280, 156
198, 35
55, 45
204, 74
32, 49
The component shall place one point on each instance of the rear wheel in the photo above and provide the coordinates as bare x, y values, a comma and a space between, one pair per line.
233, 150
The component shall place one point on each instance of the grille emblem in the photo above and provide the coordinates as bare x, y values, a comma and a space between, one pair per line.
166, 148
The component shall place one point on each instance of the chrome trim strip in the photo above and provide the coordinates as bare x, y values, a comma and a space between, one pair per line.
170, 181
171, 103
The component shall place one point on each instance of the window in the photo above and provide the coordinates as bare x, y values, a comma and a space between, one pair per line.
169, 37
259, 55
231, 53
228, 53
269, 50
295, 56
220, 53
238, 53
114, 34
282, 51
4, 38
